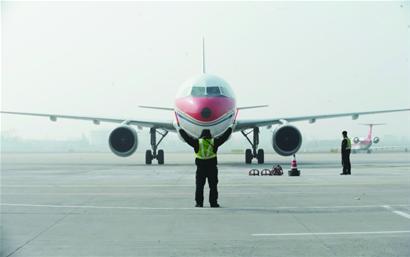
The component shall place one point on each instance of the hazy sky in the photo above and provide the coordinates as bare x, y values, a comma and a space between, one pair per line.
106, 58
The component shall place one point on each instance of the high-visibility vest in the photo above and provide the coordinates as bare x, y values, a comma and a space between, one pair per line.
206, 149
349, 144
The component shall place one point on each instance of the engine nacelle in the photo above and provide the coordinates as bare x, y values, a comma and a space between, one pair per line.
376, 140
286, 140
123, 141
356, 140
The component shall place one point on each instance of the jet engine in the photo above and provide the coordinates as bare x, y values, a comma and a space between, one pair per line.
376, 140
123, 141
356, 140
286, 140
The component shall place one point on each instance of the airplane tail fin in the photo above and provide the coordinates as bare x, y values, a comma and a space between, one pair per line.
369, 135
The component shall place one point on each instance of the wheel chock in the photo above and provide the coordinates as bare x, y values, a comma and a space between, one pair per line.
266, 172
254, 172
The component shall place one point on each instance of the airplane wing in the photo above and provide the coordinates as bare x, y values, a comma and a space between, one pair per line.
96, 120
252, 107
247, 124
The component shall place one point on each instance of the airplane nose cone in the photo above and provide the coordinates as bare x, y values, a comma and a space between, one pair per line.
205, 109
206, 113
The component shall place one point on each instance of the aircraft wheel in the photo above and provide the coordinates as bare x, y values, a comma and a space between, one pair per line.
261, 156
160, 156
248, 156
148, 157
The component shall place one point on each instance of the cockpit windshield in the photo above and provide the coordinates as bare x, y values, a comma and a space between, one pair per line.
206, 91
213, 91
198, 91
205, 86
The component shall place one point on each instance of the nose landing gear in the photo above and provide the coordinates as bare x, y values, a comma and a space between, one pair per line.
153, 154
259, 154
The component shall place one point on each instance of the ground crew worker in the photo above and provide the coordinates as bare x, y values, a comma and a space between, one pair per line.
346, 147
205, 149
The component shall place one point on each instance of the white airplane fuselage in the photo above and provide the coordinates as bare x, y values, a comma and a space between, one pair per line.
364, 144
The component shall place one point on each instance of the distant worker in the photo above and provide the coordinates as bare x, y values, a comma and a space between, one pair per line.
346, 147
205, 149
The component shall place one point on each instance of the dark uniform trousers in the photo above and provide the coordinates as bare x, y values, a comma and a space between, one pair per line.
346, 162
203, 172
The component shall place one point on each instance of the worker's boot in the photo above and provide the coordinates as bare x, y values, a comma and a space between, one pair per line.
215, 205
199, 205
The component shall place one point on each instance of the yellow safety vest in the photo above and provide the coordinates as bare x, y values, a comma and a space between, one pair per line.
349, 144
206, 149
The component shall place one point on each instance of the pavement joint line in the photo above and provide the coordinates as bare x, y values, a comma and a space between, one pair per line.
37, 235
334, 233
191, 208
123, 194
400, 213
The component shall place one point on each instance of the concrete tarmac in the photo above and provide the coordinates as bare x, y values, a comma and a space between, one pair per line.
102, 205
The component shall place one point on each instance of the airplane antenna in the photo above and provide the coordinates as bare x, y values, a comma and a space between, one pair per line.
203, 55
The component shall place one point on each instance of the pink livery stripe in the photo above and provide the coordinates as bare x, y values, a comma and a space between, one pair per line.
205, 109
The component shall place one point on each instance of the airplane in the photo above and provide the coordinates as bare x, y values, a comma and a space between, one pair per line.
364, 144
205, 102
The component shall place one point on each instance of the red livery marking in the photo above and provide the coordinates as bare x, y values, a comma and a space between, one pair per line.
236, 115
176, 118
205, 109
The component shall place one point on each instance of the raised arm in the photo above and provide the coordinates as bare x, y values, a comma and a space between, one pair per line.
222, 139
190, 140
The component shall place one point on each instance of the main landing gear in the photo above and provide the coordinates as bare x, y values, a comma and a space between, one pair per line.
153, 154
254, 152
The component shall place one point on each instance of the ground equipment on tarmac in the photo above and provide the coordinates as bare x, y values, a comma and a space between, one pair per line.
266, 172
294, 168
254, 172
277, 171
